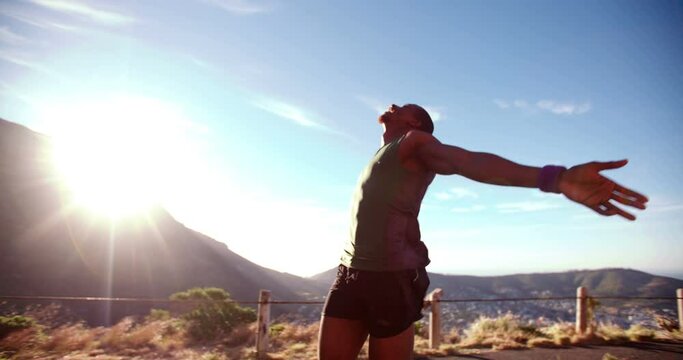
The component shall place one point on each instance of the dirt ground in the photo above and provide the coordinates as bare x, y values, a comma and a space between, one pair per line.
638, 351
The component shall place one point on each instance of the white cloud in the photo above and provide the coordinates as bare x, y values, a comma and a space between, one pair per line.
9, 90
443, 196
560, 108
9, 37
501, 103
36, 21
544, 195
456, 193
461, 192
18, 60
435, 113
241, 7
376, 105
526, 206
665, 208
289, 112
77, 8
552, 106
468, 209
522, 104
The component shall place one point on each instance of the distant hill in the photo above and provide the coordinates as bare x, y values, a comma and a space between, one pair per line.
602, 282
49, 248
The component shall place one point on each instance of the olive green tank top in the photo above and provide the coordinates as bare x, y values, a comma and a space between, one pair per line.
385, 233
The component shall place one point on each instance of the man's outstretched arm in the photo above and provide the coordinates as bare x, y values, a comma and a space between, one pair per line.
582, 183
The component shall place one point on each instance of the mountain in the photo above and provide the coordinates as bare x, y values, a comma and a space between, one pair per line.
602, 282
50, 248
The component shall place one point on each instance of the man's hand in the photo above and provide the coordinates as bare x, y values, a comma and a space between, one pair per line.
584, 184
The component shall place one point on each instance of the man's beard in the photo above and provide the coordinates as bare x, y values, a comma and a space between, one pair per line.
384, 118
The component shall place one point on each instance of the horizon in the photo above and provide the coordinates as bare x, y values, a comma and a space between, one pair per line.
268, 110
673, 275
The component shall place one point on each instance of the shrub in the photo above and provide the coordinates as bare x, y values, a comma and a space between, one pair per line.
72, 337
561, 334
276, 329
421, 330
640, 333
214, 314
9, 324
296, 333
505, 332
611, 333
453, 337
158, 315
244, 335
592, 305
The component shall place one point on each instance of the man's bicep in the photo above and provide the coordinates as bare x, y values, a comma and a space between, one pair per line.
442, 159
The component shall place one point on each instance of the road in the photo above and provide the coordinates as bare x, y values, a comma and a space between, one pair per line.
636, 351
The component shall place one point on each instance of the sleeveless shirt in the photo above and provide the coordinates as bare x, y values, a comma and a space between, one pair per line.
385, 233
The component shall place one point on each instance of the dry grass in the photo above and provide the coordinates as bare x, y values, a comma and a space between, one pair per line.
125, 339
505, 332
294, 341
167, 338
68, 338
675, 335
25, 339
242, 335
508, 332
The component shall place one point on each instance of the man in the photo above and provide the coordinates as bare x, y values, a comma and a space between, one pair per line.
382, 279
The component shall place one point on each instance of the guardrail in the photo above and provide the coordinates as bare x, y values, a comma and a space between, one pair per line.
432, 302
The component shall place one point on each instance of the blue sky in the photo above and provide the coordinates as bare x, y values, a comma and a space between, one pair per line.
259, 115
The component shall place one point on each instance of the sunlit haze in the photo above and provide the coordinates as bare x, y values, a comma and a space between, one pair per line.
250, 121
116, 155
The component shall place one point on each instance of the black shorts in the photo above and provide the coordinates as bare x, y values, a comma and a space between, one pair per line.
388, 302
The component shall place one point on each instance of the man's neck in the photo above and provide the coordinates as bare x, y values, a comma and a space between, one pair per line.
391, 134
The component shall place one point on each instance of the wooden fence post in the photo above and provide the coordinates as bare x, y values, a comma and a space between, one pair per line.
581, 310
435, 318
263, 319
679, 301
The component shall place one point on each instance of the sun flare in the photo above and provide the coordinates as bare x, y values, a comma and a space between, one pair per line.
116, 157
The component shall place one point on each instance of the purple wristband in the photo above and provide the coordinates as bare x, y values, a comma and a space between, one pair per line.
548, 178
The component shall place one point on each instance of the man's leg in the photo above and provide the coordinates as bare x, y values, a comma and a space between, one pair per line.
341, 339
397, 347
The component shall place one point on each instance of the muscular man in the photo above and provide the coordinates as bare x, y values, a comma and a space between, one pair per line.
382, 279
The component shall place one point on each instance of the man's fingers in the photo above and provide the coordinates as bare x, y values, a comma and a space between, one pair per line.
631, 194
620, 212
616, 196
611, 164
609, 209
602, 210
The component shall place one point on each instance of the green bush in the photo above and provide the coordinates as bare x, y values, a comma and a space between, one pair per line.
9, 324
214, 313
276, 329
158, 314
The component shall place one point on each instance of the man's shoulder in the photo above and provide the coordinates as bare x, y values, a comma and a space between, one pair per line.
410, 146
415, 138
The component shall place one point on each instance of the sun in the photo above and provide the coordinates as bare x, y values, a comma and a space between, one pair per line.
116, 157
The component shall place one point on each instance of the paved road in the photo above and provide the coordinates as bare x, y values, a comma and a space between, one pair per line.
639, 351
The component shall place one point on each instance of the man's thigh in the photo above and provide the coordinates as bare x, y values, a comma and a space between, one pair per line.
398, 347
340, 339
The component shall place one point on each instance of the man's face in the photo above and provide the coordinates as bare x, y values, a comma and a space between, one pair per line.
398, 114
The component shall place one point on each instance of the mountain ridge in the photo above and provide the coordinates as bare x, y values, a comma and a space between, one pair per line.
49, 248
599, 282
